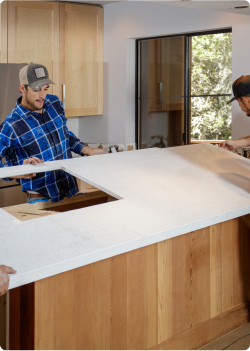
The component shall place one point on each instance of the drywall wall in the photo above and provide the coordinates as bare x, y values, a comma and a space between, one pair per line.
126, 21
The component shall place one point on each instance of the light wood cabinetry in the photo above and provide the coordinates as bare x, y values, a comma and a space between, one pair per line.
33, 35
82, 29
177, 294
3, 33
67, 39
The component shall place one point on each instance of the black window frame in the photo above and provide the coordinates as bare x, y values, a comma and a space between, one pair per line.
187, 79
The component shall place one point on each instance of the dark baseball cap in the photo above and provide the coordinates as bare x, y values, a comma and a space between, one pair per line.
241, 87
35, 76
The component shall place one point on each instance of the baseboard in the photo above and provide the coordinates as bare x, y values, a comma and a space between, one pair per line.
209, 330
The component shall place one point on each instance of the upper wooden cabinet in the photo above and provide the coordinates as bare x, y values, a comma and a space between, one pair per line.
83, 52
68, 40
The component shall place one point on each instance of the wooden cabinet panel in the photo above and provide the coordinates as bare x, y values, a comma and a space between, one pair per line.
33, 35
67, 39
3, 32
83, 54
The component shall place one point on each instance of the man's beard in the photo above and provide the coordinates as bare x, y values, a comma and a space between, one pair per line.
247, 109
35, 108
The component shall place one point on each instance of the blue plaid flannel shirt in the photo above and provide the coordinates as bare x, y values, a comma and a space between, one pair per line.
24, 135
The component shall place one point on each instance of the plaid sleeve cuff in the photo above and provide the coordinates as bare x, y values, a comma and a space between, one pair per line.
77, 147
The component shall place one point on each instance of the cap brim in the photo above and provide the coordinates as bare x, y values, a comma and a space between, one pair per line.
234, 98
41, 83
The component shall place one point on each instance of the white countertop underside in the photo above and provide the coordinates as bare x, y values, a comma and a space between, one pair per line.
162, 193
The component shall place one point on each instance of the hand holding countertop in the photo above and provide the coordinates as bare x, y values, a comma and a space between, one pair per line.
34, 161
4, 278
235, 144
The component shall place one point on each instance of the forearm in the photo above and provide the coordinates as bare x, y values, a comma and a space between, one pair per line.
86, 150
243, 142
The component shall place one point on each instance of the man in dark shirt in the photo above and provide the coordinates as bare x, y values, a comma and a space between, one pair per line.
241, 91
36, 132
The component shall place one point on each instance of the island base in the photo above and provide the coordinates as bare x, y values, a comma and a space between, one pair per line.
181, 293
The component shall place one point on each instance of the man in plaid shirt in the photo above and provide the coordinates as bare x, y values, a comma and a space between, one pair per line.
36, 132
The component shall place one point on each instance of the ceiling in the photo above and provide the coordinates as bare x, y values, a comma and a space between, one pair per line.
211, 5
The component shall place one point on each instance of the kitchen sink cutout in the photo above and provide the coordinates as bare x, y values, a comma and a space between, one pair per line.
88, 196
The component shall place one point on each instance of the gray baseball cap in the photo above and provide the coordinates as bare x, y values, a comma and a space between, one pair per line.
35, 76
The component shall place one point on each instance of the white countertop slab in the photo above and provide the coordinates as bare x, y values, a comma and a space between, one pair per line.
162, 193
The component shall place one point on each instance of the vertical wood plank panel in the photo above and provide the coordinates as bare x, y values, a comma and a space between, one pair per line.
65, 331
150, 296
27, 326
45, 314
11, 31
238, 288
55, 74
216, 269
83, 307
100, 59
201, 276
14, 319
135, 300
181, 284
118, 320
165, 290
227, 265
62, 49
101, 305
244, 228
4, 32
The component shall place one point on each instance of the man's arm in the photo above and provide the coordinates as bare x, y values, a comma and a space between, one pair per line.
235, 144
5, 143
90, 151
4, 278
76, 145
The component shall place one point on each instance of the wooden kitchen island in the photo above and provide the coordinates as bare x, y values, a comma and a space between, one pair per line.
164, 267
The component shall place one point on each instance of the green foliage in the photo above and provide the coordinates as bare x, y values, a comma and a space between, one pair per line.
211, 73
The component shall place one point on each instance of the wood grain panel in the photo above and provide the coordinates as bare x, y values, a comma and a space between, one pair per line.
150, 296
45, 321
208, 331
161, 296
227, 266
101, 305
55, 74
200, 251
118, 307
135, 300
165, 290
15, 319
83, 307
65, 330
33, 35
11, 32
182, 275
216, 269
83, 60
4, 32
61, 48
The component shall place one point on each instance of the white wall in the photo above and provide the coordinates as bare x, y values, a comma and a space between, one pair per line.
123, 23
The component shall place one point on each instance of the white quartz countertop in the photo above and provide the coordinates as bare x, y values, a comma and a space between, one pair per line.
162, 193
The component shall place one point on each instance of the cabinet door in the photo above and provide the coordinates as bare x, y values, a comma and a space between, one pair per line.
3, 32
81, 54
33, 36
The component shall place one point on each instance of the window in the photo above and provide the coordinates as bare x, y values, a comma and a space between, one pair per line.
184, 83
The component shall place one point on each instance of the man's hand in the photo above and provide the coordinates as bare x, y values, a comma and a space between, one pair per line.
34, 161
229, 145
4, 278
90, 151
235, 144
